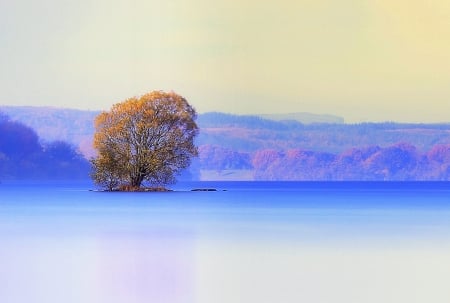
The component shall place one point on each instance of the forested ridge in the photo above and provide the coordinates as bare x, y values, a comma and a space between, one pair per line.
23, 155
287, 149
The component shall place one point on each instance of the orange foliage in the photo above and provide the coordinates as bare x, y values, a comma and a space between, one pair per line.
144, 139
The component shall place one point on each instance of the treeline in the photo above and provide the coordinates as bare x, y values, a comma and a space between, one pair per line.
24, 156
320, 151
251, 133
397, 162
244, 133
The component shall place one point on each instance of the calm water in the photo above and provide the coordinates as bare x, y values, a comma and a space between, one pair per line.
246, 242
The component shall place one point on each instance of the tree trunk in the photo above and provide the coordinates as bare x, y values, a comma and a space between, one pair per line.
136, 181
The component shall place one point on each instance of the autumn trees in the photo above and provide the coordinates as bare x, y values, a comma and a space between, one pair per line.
144, 140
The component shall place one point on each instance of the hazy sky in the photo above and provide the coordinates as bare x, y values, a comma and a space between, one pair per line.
365, 60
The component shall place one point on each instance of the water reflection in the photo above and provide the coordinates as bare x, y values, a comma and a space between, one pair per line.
113, 267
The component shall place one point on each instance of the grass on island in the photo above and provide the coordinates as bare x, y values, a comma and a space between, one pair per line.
129, 188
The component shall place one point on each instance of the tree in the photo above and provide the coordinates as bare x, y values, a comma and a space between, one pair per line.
18, 140
144, 140
396, 162
219, 158
62, 160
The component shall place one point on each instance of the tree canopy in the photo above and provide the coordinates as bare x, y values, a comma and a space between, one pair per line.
144, 140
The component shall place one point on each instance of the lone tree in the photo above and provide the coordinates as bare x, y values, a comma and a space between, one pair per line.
144, 140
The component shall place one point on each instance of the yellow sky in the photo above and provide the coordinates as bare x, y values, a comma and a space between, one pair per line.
365, 60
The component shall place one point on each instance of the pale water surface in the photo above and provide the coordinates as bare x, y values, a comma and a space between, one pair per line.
247, 242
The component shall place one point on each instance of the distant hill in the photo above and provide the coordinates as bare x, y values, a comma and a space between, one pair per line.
244, 133
305, 118
251, 133
52, 123
24, 156
234, 146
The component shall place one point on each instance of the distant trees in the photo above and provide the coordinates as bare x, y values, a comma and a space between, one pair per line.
23, 156
17, 140
250, 134
144, 140
293, 164
63, 161
219, 158
398, 162
19, 147
350, 164
265, 163
437, 162
274, 150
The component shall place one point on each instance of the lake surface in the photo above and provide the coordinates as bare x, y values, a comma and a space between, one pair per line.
247, 242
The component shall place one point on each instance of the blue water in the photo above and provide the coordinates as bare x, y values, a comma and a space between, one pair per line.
242, 207
56, 237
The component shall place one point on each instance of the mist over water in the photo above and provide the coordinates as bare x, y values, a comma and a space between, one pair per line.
245, 242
